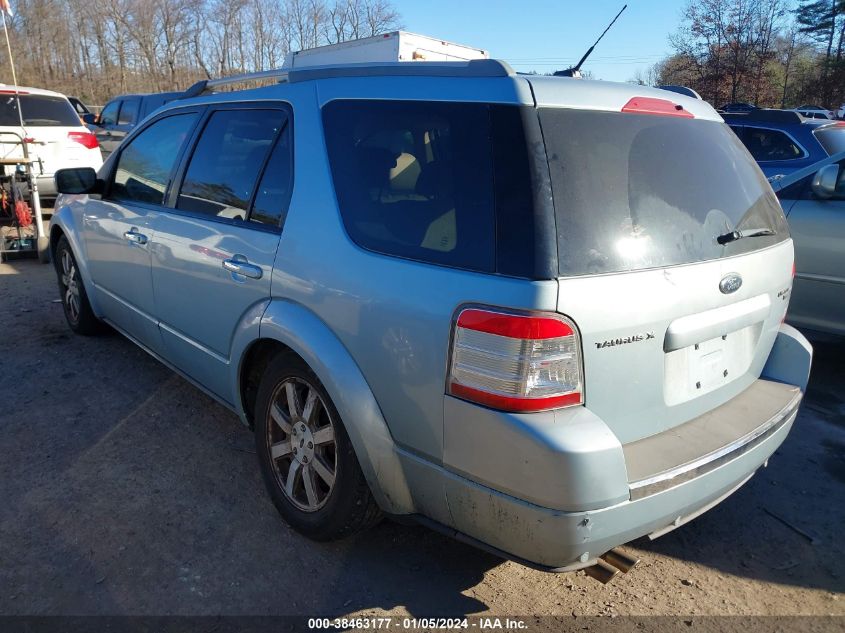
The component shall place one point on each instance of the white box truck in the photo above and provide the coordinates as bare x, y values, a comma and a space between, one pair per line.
398, 46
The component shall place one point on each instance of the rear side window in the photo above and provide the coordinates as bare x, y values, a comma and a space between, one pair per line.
415, 179
832, 138
768, 145
38, 111
145, 165
227, 161
129, 112
634, 191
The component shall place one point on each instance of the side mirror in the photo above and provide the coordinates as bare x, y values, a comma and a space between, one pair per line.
77, 180
824, 182
89, 118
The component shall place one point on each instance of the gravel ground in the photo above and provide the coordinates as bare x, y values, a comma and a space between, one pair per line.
125, 490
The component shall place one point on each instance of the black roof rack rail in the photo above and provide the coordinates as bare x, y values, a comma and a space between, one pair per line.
767, 115
471, 68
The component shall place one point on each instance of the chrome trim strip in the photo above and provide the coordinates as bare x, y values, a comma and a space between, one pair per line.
704, 464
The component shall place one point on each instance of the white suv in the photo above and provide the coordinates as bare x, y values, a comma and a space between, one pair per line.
57, 137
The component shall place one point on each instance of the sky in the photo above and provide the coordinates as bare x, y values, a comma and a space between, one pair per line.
544, 36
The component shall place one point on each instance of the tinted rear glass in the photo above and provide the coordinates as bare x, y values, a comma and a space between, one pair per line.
832, 138
642, 191
427, 181
38, 110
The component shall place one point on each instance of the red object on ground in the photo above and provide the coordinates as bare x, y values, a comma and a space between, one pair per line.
23, 214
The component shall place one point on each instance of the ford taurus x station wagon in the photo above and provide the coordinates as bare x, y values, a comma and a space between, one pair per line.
541, 314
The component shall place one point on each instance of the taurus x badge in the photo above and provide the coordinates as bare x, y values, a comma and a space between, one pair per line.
730, 283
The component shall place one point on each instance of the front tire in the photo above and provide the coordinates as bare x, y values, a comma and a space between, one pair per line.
307, 460
78, 313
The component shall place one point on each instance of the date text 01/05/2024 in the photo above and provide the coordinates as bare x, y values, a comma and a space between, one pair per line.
385, 623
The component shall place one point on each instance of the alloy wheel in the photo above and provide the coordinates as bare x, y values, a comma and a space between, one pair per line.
301, 441
70, 283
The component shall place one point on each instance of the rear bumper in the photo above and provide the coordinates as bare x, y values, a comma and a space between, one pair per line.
560, 491
557, 539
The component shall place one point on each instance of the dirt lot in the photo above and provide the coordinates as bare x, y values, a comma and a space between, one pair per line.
125, 490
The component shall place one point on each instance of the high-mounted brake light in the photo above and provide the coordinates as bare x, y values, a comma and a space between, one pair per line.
515, 362
650, 105
84, 138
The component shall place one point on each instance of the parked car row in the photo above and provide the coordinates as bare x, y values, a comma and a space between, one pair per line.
813, 199
55, 128
782, 141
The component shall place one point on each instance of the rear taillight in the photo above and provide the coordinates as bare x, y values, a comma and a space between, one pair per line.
84, 138
515, 362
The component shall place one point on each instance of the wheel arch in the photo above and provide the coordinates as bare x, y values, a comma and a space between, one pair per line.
290, 326
61, 225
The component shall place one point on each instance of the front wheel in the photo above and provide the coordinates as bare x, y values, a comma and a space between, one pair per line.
306, 458
78, 313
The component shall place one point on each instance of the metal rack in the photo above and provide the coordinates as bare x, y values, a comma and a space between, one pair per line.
41, 241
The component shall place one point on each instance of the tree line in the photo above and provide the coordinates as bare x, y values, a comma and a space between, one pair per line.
95, 49
772, 53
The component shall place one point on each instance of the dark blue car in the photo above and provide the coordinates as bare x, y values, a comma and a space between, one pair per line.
782, 141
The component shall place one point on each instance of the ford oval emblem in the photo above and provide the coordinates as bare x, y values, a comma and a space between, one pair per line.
730, 283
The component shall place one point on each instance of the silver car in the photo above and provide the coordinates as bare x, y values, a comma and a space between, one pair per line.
540, 314
814, 202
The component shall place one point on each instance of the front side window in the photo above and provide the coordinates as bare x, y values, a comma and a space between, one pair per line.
415, 179
109, 114
769, 145
145, 165
227, 162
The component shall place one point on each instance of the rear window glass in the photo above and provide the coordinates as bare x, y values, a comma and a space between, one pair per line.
832, 138
38, 110
642, 191
415, 179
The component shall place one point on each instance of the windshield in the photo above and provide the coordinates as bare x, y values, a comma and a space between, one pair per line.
38, 110
638, 191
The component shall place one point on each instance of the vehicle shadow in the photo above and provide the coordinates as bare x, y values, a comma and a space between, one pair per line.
408, 566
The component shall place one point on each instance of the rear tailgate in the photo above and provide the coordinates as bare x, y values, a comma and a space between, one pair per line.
673, 323
662, 347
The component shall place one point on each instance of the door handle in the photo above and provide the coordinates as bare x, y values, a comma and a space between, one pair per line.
135, 237
241, 267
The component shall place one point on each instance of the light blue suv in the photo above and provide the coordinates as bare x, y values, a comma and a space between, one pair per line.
541, 314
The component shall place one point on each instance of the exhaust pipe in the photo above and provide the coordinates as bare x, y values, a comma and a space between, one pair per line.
602, 572
609, 565
619, 559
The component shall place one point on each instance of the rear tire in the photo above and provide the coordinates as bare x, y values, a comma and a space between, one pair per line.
306, 458
78, 313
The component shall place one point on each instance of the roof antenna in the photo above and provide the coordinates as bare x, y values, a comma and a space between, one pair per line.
575, 71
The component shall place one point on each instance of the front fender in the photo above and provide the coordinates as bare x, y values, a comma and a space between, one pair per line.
64, 221
307, 335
